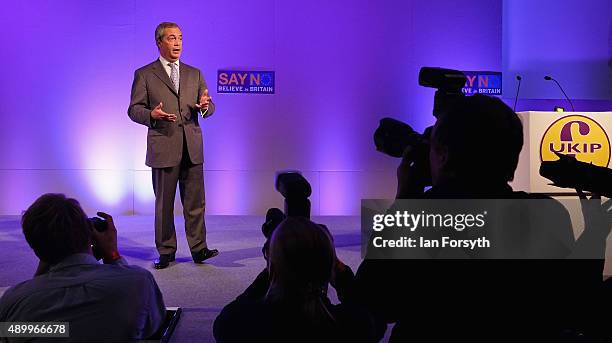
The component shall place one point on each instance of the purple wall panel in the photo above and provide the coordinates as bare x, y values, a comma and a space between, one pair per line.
340, 67
570, 40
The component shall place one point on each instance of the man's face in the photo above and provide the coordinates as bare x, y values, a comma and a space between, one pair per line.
171, 44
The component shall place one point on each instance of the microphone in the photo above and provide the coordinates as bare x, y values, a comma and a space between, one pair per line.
548, 78
518, 78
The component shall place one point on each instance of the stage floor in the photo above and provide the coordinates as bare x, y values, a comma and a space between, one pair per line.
201, 290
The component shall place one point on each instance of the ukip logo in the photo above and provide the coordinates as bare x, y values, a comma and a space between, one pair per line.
577, 136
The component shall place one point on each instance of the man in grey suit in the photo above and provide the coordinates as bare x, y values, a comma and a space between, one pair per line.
168, 97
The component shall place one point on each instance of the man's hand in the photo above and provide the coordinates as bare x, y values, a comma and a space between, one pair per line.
106, 241
410, 175
339, 268
158, 114
204, 101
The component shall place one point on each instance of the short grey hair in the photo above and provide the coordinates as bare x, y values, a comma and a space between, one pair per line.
159, 30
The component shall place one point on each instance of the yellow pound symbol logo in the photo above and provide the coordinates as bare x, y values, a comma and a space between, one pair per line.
577, 136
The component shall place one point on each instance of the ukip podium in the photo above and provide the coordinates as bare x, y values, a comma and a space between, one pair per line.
584, 135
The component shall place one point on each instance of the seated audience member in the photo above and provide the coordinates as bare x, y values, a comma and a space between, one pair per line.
288, 302
474, 151
110, 302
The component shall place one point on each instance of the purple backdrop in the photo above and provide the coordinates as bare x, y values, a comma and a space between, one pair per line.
340, 66
570, 40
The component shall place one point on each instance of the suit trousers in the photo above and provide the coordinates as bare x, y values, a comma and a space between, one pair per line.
190, 178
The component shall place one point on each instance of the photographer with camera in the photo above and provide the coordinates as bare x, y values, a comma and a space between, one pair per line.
295, 307
472, 153
288, 300
110, 302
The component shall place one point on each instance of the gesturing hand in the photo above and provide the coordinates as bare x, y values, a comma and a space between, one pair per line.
159, 114
204, 101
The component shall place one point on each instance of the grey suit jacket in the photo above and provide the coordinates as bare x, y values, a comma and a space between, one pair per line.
165, 139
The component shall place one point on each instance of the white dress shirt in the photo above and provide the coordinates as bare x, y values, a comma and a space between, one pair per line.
167, 68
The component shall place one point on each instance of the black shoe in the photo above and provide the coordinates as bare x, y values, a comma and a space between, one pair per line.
163, 261
204, 255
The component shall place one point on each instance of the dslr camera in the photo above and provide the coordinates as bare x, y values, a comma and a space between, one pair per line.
296, 190
99, 225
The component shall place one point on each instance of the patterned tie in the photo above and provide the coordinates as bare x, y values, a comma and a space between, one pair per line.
174, 76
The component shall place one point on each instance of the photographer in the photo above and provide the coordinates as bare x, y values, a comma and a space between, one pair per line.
110, 302
473, 153
288, 301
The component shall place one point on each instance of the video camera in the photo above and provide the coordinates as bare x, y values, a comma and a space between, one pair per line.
392, 136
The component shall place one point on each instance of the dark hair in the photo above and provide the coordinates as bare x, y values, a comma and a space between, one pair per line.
55, 226
302, 257
483, 137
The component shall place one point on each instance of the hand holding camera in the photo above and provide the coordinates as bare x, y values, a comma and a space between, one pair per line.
398, 139
104, 238
413, 173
